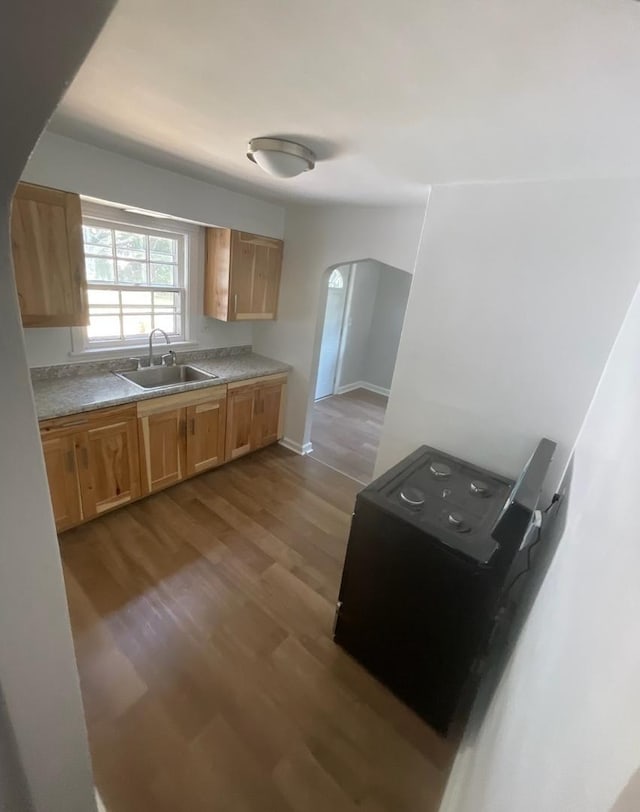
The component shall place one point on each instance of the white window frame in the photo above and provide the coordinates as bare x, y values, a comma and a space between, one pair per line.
189, 237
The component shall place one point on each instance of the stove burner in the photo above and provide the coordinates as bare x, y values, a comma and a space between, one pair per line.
456, 520
412, 497
440, 470
479, 488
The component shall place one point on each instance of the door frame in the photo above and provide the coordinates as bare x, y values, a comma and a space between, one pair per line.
344, 329
343, 326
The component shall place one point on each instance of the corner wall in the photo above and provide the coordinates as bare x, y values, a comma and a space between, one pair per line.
518, 294
358, 318
318, 238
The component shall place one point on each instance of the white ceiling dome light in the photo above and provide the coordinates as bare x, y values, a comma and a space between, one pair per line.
280, 158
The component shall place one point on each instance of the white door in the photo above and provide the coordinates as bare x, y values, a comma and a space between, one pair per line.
331, 332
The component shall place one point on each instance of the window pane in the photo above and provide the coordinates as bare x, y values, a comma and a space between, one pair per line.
131, 272
130, 253
99, 269
163, 274
103, 327
98, 250
166, 322
130, 240
165, 298
163, 249
97, 238
118, 260
103, 297
137, 298
139, 324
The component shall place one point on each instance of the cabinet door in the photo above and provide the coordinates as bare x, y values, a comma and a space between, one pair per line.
255, 276
240, 421
110, 471
206, 424
48, 256
269, 414
62, 473
162, 448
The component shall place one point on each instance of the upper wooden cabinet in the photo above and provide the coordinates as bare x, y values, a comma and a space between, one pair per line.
48, 256
242, 275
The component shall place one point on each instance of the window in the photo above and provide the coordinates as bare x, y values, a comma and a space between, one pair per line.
136, 282
336, 280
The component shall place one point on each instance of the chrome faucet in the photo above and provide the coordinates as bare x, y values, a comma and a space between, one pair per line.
166, 338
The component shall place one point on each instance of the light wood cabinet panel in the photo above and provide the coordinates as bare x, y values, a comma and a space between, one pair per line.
242, 275
255, 414
206, 427
162, 448
269, 414
110, 469
48, 257
240, 418
62, 473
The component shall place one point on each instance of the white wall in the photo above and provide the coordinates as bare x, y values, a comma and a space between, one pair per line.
44, 745
518, 293
358, 318
376, 309
563, 731
71, 165
317, 238
387, 320
77, 167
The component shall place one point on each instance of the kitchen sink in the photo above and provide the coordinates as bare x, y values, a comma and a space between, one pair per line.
161, 376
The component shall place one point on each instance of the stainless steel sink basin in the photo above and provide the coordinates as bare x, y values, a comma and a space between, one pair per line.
159, 377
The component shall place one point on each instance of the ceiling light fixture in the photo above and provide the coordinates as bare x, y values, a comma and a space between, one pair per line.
280, 158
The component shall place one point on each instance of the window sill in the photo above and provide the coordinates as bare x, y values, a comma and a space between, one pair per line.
132, 351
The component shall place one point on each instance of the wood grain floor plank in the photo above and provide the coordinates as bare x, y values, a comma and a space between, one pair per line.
202, 624
345, 432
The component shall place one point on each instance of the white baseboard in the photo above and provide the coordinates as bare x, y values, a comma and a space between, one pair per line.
307, 448
350, 387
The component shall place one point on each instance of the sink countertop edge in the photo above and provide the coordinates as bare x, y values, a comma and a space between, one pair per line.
61, 397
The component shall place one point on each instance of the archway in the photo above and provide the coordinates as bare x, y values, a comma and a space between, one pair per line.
361, 314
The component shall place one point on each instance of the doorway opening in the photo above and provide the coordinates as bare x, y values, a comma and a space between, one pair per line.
364, 312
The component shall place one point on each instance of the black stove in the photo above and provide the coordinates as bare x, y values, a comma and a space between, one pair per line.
431, 546
441, 494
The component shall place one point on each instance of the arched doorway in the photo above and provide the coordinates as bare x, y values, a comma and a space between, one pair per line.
332, 331
363, 316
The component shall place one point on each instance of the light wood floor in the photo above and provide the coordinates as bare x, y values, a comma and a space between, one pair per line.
345, 432
202, 624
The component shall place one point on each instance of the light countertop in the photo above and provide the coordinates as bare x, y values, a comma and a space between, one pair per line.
57, 396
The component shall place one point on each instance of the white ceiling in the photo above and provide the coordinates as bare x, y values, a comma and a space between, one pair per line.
392, 94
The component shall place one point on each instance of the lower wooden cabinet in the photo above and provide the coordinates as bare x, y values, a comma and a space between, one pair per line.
161, 438
180, 435
241, 403
268, 422
92, 463
62, 473
206, 425
100, 460
255, 413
